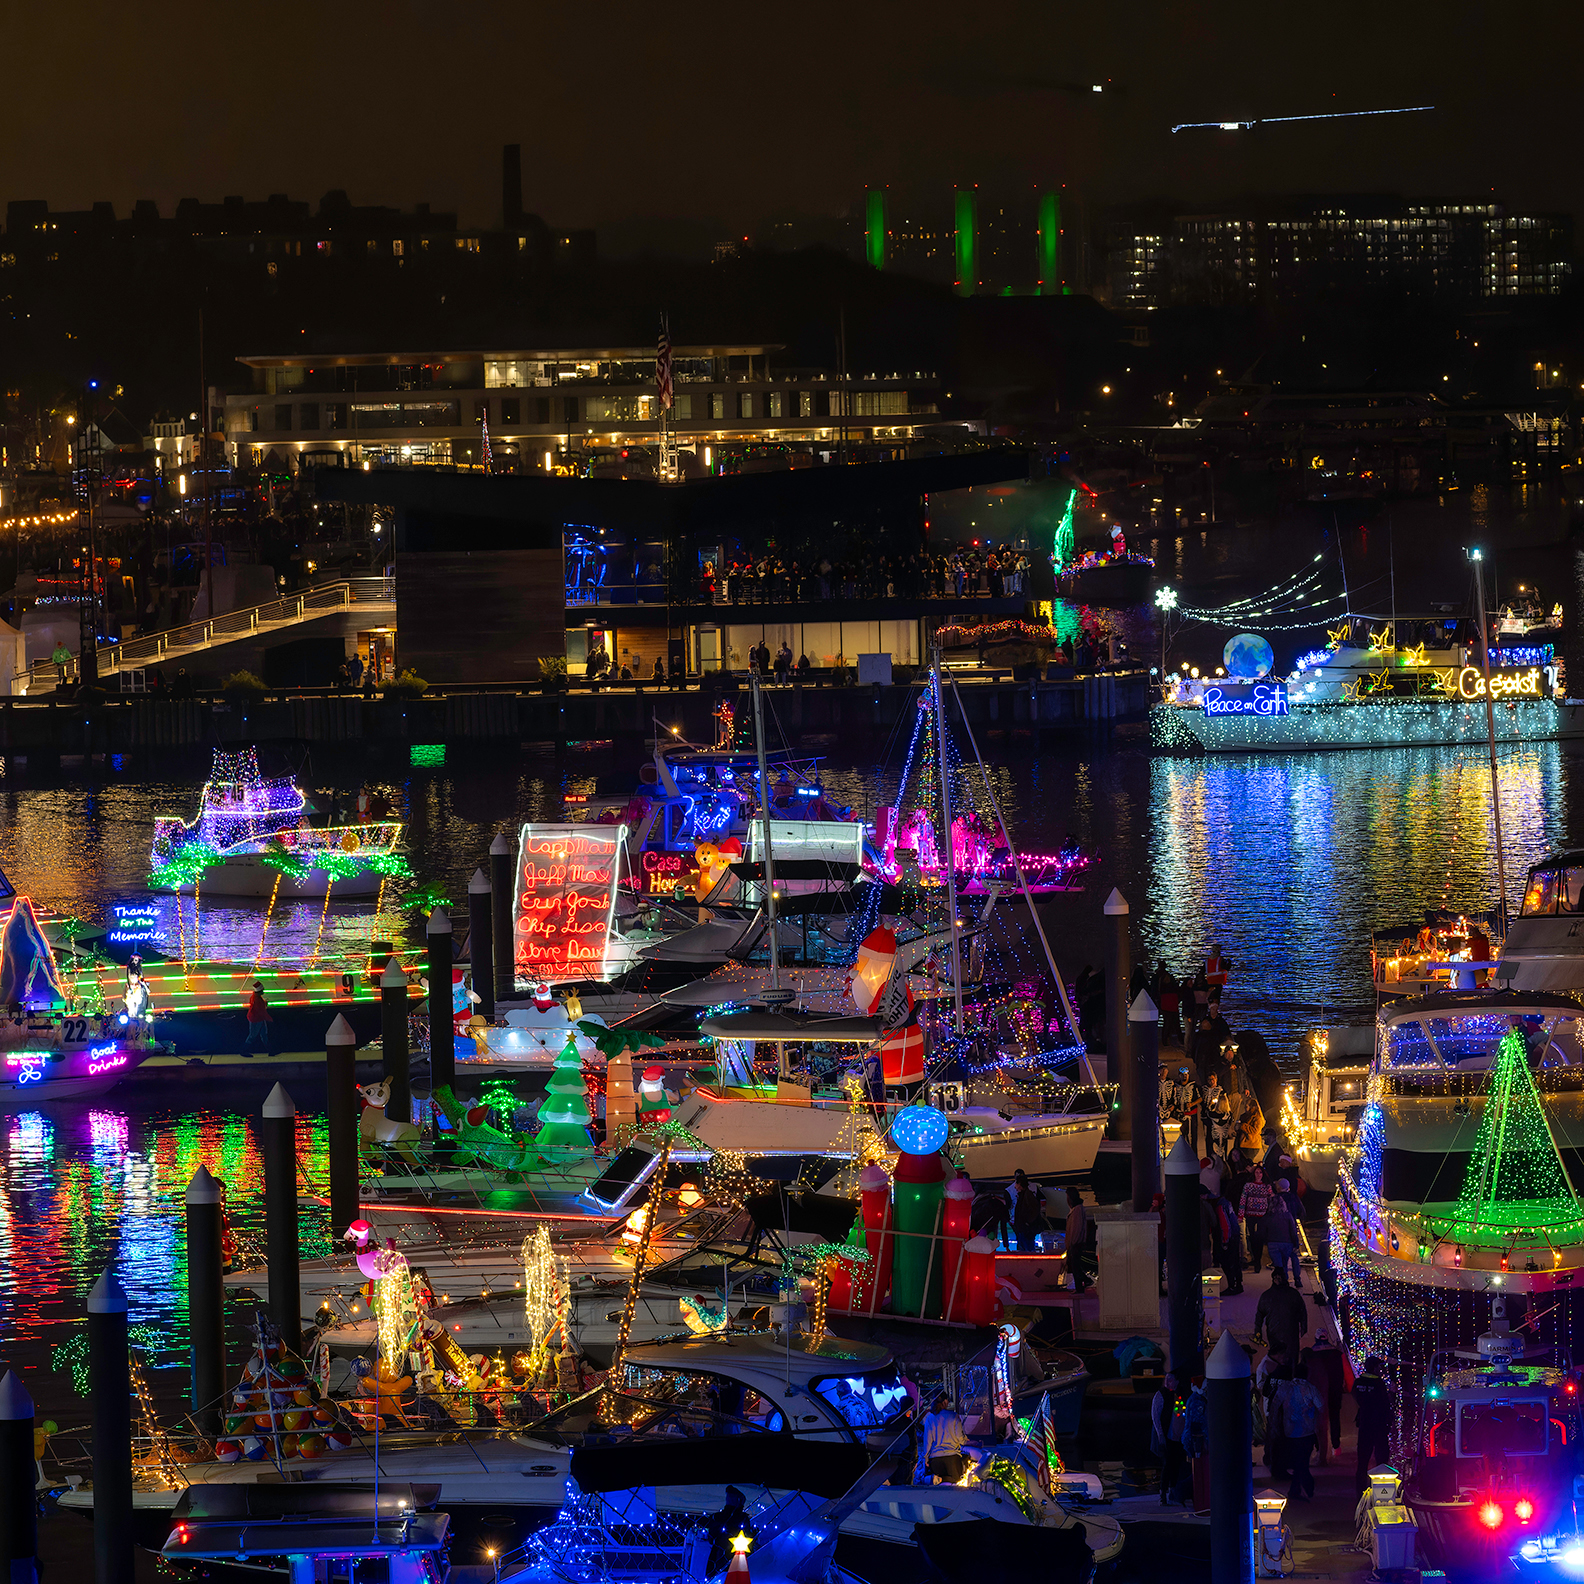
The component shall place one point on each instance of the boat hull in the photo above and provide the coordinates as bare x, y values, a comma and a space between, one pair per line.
1406, 723
247, 875
1057, 1149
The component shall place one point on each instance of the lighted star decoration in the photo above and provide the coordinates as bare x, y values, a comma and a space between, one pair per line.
740, 1544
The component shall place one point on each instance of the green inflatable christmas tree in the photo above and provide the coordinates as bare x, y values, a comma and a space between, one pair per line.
565, 1113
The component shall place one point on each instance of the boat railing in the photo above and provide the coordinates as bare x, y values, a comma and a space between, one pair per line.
395, 1171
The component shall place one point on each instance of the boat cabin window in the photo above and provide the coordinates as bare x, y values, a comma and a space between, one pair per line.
1554, 891
1509, 1426
1346, 1092
1469, 1043
865, 1401
698, 1395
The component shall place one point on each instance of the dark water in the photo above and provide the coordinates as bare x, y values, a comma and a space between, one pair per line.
1288, 862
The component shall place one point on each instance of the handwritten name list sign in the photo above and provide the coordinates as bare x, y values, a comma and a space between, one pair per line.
566, 889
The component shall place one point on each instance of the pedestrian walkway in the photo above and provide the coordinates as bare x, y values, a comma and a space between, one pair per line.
1323, 1526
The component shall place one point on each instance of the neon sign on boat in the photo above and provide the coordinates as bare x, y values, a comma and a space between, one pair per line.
565, 899
1264, 698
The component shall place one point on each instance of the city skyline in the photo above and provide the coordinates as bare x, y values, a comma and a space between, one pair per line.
864, 103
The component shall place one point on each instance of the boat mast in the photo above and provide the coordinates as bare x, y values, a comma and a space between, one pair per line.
1023, 885
946, 822
1478, 557
764, 814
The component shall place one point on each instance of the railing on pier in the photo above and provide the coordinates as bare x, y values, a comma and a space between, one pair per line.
40, 677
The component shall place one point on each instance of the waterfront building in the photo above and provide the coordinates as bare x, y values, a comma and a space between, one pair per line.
1287, 249
566, 410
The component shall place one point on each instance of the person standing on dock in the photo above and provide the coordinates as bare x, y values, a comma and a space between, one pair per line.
1281, 1316
1217, 968
1253, 1202
258, 1022
1077, 1239
1373, 1414
1281, 1236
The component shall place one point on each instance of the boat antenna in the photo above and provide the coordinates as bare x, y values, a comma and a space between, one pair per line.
1023, 886
764, 815
946, 848
1391, 562
1477, 556
1347, 604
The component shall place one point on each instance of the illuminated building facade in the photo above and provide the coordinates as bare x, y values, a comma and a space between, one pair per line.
567, 411
1289, 250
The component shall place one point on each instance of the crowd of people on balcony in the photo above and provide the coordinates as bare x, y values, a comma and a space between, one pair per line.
974, 572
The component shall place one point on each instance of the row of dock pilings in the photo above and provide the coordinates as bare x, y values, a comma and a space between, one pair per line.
1133, 1065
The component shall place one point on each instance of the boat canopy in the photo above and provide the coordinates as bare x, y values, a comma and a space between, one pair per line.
1463, 1032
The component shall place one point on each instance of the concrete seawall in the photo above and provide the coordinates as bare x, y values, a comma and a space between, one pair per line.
47, 727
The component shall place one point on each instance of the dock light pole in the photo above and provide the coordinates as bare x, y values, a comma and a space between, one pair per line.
501, 888
279, 1148
395, 1063
1477, 556
110, 1408
481, 938
1144, 1036
1184, 1291
1118, 970
206, 1301
18, 1505
1231, 1432
442, 1031
342, 1111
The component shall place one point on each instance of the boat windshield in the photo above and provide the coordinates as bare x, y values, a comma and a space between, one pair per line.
1467, 1042
865, 1401
1554, 891
1511, 1427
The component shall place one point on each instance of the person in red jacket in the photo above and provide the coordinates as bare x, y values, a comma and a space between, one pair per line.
258, 1021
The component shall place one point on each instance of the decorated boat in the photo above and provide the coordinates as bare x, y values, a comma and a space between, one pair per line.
254, 837
1544, 948
51, 1047
1378, 683
1459, 1187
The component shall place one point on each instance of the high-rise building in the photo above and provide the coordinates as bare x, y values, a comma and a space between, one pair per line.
1283, 250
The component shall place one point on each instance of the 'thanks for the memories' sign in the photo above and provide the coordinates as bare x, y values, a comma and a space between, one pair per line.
566, 893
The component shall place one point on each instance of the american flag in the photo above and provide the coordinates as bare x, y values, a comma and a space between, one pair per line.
663, 366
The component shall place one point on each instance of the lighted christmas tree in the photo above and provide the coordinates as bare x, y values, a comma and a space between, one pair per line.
1516, 1181
565, 1113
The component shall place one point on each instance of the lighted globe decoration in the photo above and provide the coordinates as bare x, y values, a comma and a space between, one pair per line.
919, 1130
1248, 656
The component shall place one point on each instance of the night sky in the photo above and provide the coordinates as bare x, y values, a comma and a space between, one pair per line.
730, 115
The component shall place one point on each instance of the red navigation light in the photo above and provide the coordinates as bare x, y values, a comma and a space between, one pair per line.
1523, 1509
1490, 1515
1571, 1388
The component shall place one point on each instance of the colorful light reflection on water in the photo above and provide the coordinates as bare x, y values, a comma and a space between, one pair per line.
89, 1187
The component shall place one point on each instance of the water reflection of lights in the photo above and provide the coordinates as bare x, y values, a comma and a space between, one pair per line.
1291, 862
80, 1190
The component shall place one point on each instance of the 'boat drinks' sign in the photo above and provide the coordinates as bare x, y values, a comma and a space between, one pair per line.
566, 894
1248, 698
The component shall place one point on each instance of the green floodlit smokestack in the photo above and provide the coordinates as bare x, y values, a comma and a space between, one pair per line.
1049, 261
875, 229
967, 246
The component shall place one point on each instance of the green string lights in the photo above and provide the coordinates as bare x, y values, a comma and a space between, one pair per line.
1516, 1182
